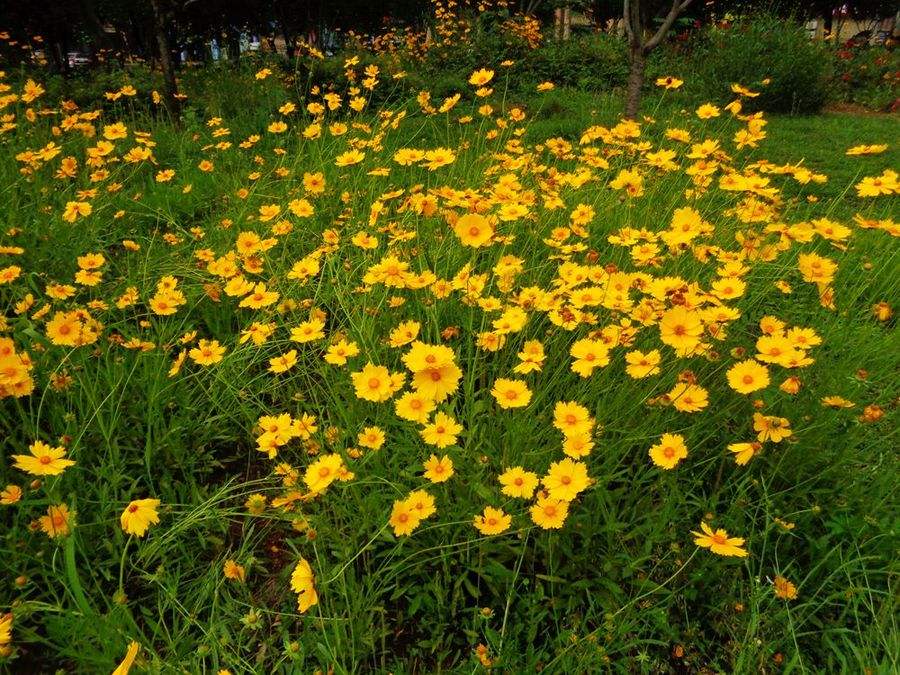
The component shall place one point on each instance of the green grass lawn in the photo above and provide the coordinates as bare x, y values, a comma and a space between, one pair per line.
621, 584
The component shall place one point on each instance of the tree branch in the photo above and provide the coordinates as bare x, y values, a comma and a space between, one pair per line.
632, 18
666, 24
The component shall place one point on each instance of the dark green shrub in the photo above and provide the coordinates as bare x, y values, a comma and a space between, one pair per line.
758, 49
597, 62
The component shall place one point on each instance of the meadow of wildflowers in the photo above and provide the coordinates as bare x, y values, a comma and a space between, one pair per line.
410, 387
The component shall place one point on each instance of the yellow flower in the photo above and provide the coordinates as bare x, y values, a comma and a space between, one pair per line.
492, 521
414, 406
373, 383
10, 495
323, 472
404, 518
233, 571
57, 522
669, 82
207, 353
442, 431
474, 230
511, 393
784, 589
349, 158
283, 363
572, 418
438, 469
669, 451
642, 365
139, 515
549, 513
748, 376
719, 542
707, 111
303, 584
371, 437
75, 209
130, 655
481, 77
680, 328
566, 479
517, 482
688, 398
770, 428
744, 452
588, 354
43, 460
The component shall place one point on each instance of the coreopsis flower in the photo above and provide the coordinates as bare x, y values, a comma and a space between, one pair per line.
517, 482
414, 406
866, 149
875, 186
669, 451
373, 383
404, 518
474, 230
748, 376
707, 111
566, 479
572, 418
481, 77
10, 495
260, 297
588, 354
719, 542
686, 397
669, 82
207, 353
74, 210
125, 665
771, 428
57, 522
641, 365
6, 626
303, 584
744, 452
680, 328
371, 437
233, 571
548, 513
283, 363
139, 515
339, 352
323, 472
442, 432
783, 588
43, 460
511, 393
438, 469
349, 158
492, 521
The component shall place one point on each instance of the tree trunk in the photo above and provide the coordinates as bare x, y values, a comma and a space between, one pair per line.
170, 87
635, 82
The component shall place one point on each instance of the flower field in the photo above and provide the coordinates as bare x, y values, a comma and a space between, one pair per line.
348, 383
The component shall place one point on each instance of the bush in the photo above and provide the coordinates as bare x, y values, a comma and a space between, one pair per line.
867, 76
770, 55
592, 62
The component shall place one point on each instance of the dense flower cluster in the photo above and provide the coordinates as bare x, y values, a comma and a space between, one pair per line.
421, 299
